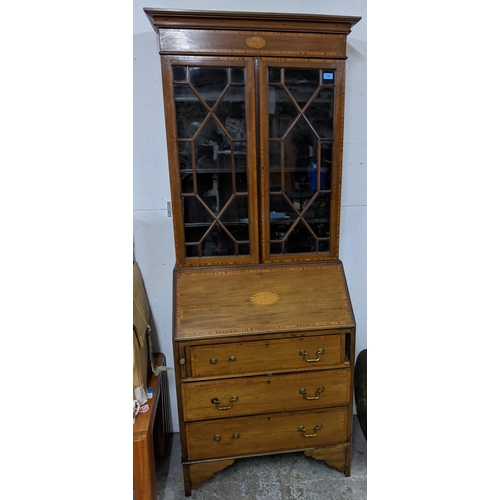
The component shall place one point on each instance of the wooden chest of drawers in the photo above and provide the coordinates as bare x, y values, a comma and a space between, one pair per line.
264, 364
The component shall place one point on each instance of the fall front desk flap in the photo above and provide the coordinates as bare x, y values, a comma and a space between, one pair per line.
263, 298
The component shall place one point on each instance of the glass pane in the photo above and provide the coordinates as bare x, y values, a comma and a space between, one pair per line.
274, 75
194, 233
303, 142
185, 155
211, 123
302, 83
210, 245
276, 248
320, 208
189, 111
236, 213
326, 163
215, 190
231, 112
192, 251
227, 159
195, 214
320, 114
209, 82
300, 240
320, 229
274, 154
278, 231
241, 182
180, 73
281, 208
217, 243
244, 249
275, 181
207, 145
324, 245
237, 75
235, 221
281, 112
187, 185
300, 160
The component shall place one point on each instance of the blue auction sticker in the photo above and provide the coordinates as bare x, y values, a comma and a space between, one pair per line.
327, 76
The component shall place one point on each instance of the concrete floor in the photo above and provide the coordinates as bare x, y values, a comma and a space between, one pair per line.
290, 476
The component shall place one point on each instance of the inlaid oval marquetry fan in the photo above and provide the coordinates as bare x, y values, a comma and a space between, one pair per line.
264, 298
256, 42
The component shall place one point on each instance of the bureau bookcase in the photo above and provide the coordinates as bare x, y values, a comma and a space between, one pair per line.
263, 327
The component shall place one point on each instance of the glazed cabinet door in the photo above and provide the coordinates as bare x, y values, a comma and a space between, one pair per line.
210, 117
301, 114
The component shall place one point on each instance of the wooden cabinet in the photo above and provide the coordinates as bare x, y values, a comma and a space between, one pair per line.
263, 327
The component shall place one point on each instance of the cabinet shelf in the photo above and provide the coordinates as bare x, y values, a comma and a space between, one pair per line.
213, 170
292, 220
240, 222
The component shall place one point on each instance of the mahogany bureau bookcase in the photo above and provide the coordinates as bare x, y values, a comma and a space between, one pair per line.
263, 327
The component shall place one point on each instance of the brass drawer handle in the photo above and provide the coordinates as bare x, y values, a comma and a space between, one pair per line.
213, 361
216, 401
218, 437
304, 353
309, 398
317, 428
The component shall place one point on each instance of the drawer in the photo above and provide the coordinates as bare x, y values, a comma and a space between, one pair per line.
230, 437
238, 358
258, 395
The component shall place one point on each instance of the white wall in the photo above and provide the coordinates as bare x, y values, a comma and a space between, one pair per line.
153, 230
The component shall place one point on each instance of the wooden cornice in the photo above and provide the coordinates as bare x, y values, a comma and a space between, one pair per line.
261, 21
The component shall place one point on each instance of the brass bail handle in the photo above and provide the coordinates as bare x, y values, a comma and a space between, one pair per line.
218, 437
317, 428
309, 398
216, 401
303, 353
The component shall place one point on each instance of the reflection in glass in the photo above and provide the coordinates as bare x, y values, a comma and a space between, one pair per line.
241, 182
319, 113
185, 155
282, 110
212, 151
326, 160
274, 75
237, 75
209, 82
274, 153
300, 160
206, 145
301, 83
300, 240
189, 111
180, 73
195, 213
